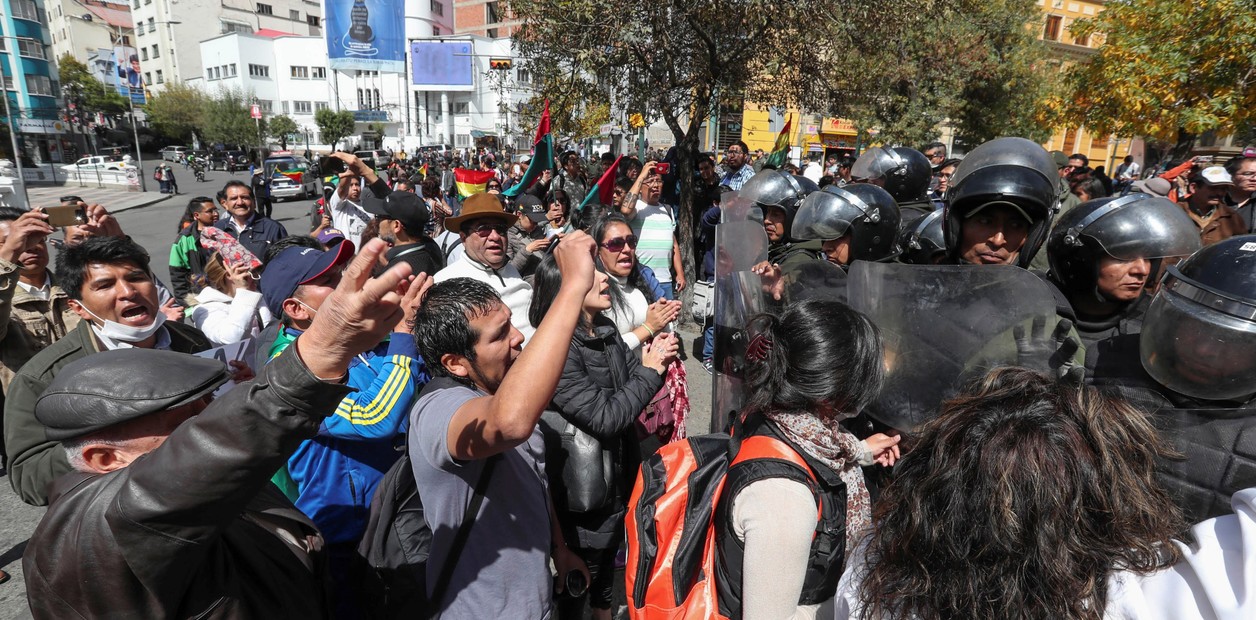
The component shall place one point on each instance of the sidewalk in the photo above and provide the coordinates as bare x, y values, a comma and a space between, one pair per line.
115, 199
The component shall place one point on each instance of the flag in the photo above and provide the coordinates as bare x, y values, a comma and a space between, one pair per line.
604, 189
295, 175
542, 156
780, 150
423, 170
472, 182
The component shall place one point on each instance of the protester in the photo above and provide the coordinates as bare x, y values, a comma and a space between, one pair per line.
34, 310
808, 369
527, 237
187, 257
483, 228
602, 390
168, 512
571, 178
345, 208
111, 289
736, 172
254, 230
1242, 169
1024, 486
260, 185
654, 224
638, 309
403, 220
1206, 206
478, 420
558, 213
229, 308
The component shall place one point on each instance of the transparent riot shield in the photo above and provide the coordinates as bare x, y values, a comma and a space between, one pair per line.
1220, 450
739, 246
943, 325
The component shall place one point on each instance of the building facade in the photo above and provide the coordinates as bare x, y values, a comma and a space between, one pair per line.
81, 28
484, 18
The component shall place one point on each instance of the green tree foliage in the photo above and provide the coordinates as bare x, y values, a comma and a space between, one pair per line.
178, 112
89, 94
1167, 70
281, 127
334, 126
227, 119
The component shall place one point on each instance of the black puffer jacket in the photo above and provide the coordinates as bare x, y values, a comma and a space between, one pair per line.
602, 390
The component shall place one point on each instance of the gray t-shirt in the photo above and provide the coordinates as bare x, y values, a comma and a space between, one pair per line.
503, 572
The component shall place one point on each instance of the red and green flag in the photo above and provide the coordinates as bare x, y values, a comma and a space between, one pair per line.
472, 182
604, 189
780, 150
542, 156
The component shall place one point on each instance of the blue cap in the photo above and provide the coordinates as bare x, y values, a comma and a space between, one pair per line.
296, 266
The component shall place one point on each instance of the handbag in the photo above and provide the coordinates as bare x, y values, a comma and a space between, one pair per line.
587, 467
665, 416
703, 306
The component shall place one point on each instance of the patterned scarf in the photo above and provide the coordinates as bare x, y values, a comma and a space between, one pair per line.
833, 445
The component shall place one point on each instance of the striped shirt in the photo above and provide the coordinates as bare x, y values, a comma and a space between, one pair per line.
654, 227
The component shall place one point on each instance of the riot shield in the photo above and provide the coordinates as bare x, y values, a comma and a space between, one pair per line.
1220, 450
941, 326
739, 245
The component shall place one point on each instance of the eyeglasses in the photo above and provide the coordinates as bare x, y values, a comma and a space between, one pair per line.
735, 152
617, 244
494, 186
1245, 175
484, 230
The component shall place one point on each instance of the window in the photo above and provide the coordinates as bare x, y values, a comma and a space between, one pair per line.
437, 8
490, 33
232, 67
230, 27
283, 105
160, 80
491, 16
148, 78
318, 73
25, 9
462, 140
265, 9
136, 4
435, 31
266, 105
301, 107
30, 49
126, 40
1083, 40
1052, 31
361, 73
313, 20
139, 29
259, 70
143, 53
462, 107
300, 73
156, 52
294, 15
217, 71
8, 82
320, 105
524, 76
152, 24
209, 73
39, 85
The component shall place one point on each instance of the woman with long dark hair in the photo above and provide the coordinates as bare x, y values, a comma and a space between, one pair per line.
602, 390
1024, 498
817, 364
639, 310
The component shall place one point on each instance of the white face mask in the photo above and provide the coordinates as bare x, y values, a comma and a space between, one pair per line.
118, 332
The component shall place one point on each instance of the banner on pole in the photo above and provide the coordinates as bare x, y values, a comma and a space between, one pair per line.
366, 35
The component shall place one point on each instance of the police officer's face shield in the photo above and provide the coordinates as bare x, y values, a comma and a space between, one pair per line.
1006, 152
828, 214
769, 188
875, 164
1140, 226
1198, 342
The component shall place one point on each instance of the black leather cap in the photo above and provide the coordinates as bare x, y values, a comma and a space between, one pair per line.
109, 387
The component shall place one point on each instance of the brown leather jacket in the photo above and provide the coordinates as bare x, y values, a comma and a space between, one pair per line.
193, 529
28, 324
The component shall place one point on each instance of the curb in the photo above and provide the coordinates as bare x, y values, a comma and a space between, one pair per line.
143, 204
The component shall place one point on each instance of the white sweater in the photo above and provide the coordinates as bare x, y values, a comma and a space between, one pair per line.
225, 320
514, 291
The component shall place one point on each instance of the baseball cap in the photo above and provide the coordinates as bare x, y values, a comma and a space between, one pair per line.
330, 236
1215, 175
525, 159
405, 207
296, 266
531, 207
1060, 158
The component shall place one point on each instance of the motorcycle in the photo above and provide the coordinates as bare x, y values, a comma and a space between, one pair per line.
198, 168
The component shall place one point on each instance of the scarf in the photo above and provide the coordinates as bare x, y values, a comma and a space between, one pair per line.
828, 442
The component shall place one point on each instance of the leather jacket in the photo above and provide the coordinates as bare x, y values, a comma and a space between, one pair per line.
193, 529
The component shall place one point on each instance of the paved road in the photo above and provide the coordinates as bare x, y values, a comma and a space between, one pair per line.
155, 227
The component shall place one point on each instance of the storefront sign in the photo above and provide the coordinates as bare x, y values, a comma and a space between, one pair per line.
39, 125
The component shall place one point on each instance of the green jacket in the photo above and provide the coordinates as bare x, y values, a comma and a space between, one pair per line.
34, 460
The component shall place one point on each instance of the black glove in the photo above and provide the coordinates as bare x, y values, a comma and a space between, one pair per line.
1054, 354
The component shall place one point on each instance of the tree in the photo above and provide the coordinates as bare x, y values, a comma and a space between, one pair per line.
334, 126
227, 119
281, 127
88, 94
1168, 71
178, 112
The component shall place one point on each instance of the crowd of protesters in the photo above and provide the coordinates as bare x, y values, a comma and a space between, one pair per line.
218, 445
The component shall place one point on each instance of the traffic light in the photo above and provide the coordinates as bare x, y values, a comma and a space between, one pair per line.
502, 64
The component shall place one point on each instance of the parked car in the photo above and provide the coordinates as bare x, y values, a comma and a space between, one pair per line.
96, 162
173, 153
290, 177
376, 159
230, 161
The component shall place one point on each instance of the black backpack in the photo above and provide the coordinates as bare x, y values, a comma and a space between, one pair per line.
390, 568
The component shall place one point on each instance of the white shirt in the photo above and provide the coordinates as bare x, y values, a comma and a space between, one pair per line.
450, 239
349, 218
813, 171
628, 318
225, 320
42, 293
515, 292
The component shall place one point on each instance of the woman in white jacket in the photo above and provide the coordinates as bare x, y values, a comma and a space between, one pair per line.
230, 309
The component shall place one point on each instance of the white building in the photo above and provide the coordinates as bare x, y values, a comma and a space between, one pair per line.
290, 75
81, 27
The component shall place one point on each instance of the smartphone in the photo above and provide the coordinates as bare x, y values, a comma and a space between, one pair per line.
662, 167
66, 215
70, 200
332, 166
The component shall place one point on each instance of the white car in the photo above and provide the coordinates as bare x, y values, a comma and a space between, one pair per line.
173, 153
97, 162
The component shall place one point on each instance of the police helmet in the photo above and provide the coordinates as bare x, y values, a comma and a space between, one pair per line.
867, 212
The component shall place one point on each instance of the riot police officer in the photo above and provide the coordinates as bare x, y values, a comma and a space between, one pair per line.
1105, 255
903, 172
778, 195
921, 240
857, 222
1000, 204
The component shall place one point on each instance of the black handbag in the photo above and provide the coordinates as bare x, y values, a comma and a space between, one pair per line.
586, 466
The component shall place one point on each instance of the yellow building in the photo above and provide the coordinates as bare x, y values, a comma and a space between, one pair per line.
754, 124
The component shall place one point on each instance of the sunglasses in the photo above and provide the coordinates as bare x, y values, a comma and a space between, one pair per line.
494, 186
484, 230
617, 244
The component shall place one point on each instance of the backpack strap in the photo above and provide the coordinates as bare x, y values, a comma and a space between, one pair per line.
464, 532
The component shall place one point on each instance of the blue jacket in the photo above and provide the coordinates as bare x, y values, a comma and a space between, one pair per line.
257, 235
336, 472
651, 281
